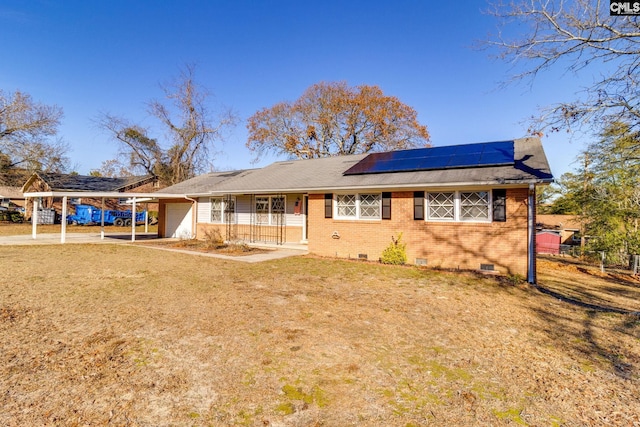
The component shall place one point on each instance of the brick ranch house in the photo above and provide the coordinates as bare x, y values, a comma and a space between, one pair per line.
455, 206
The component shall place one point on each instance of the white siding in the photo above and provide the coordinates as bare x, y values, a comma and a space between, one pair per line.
243, 209
204, 210
293, 219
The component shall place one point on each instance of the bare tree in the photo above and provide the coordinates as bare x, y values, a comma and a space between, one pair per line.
579, 36
26, 129
332, 119
137, 152
191, 131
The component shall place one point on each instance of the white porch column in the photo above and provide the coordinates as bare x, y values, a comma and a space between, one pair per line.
34, 218
102, 220
63, 220
133, 220
146, 217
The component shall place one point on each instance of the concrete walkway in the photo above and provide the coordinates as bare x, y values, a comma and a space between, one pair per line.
273, 252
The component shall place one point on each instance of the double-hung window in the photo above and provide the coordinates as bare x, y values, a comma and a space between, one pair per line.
441, 206
270, 210
277, 210
346, 205
474, 206
358, 206
458, 206
223, 210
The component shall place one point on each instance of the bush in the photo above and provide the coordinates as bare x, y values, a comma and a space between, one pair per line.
213, 238
395, 253
13, 216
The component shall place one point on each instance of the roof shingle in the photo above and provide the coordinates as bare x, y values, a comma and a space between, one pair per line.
327, 174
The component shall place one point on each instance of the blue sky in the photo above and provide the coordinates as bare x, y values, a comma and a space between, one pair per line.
90, 57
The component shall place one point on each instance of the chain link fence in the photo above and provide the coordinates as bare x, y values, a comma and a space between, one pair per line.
619, 260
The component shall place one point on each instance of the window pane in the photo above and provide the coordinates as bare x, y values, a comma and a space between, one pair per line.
230, 211
216, 210
346, 205
370, 206
440, 206
474, 205
262, 210
277, 210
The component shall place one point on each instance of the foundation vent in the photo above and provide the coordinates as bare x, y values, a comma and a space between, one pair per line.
487, 267
421, 261
363, 256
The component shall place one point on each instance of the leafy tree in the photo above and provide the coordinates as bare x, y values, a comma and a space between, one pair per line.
576, 35
570, 191
26, 129
112, 168
605, 191
191, 131
332, 119
614, 205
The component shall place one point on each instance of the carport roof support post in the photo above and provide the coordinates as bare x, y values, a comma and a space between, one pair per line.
63, 220
34, 218
133, 219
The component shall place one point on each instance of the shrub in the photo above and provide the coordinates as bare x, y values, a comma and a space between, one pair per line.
13, 216
395, 253
213, 238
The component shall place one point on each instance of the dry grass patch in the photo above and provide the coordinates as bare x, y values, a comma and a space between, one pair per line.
98, 334
231, 249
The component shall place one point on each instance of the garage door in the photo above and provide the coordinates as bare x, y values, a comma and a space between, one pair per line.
179, 220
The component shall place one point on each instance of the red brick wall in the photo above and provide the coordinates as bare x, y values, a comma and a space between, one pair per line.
445, 245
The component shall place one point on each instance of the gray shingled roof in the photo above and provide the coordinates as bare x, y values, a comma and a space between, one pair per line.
65, 182
10, 192
202, 183
326, 174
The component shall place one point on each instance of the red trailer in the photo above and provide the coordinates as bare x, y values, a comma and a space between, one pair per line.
548, 242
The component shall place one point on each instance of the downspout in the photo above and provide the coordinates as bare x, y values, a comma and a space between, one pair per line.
531, 231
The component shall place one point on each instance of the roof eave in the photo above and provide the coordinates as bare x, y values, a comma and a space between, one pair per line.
105, 194
501, 183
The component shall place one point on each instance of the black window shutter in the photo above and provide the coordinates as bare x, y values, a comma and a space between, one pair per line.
386, 205
328, 205
418, 205
500, 205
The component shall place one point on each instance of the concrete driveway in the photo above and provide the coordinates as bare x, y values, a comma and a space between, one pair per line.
53, 238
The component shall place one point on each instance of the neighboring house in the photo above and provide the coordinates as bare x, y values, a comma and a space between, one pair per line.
566, 226
54, 182
11, 197
469, 206
11, 181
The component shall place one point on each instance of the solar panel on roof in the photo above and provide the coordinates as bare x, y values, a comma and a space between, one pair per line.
448, 157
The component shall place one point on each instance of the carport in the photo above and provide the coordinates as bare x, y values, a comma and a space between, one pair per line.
134, 198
